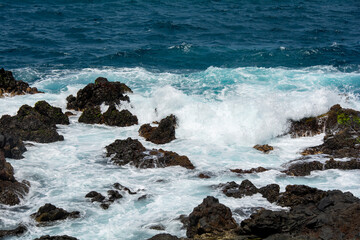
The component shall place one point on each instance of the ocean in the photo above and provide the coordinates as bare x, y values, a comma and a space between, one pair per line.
233, 72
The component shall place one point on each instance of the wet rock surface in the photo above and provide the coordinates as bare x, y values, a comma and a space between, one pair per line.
63, 237
342, 132
132, 152
305, 168
252, 170
8, 84
112, 117
94, 94
162, 134
210, 217
264, 148
11, 191
50, 213
20, 230
164, 236
247, 188
112, 195
36, 124
314, 214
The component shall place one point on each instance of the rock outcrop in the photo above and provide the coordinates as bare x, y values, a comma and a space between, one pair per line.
210, 217
162, 134
342, 132
94, 94
305, 168
11, 191
36, 124
20, 230
252, 170
63, 237
112, 117
9, 85
50, 213
314, 214
132, 152
247, 188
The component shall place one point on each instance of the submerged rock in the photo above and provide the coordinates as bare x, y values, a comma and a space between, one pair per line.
20, 230
50, 213
13, 87
63, 237
11, 191
210, 217
247, 188
162, 134
132, 152
94, 94
36, 124
264, 148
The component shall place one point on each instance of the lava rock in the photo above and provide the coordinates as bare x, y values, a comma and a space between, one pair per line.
252, 170
342, 132
36, 124
124, 118
91, 115
8, 84
247, 188
305, 168
50, 213
11, 191
94, 94
162, 134
264, 148
20, 230
132, 152
95, 196
314, 214
63, 237
164, 236
210, 217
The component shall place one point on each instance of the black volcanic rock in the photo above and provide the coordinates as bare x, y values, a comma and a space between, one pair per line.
132, 152
210, 217
8, 84
50, 213
11, 191
20, 230
94, 94
36, 124
162, 134
63, 237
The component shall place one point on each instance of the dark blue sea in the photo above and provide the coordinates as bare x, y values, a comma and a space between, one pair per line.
233, 72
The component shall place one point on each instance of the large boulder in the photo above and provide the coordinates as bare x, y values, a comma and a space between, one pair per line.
314, 214
162, 134
94, 94
11, 191
50, 213
8, 84
210, 217
132, 152
36, 124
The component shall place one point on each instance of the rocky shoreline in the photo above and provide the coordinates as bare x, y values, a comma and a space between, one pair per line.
311, 214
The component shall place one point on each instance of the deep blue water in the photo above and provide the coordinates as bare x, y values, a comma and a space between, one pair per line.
180, 36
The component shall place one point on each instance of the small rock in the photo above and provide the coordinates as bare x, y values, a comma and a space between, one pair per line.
49, 213
162, 134
264, 148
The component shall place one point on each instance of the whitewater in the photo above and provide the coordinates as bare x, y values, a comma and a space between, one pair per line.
222, 113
